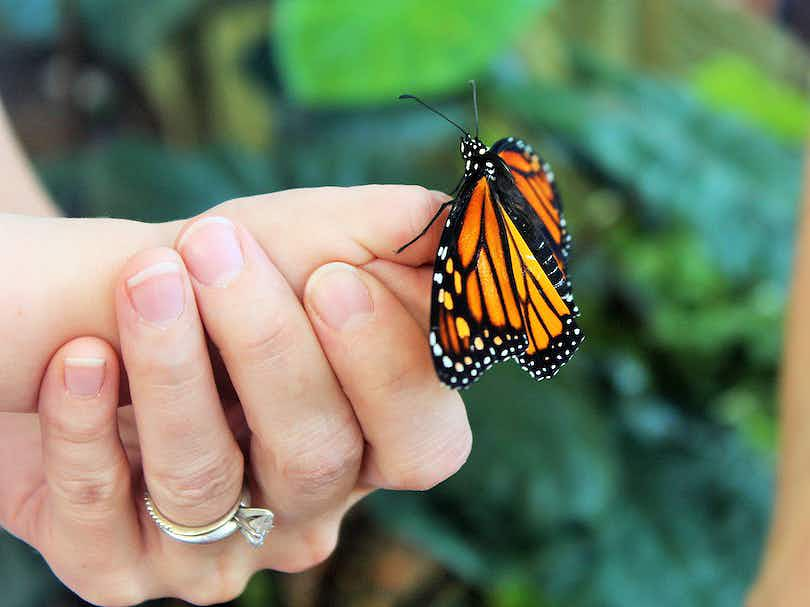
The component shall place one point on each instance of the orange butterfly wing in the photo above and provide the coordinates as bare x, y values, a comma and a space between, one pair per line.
493, 299
535, 180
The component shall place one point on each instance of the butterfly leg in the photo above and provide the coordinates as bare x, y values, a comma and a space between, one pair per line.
427, 227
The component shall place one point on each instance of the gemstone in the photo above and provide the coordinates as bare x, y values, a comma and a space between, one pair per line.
255, 524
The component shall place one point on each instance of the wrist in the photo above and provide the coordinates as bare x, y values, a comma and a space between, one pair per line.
58, 284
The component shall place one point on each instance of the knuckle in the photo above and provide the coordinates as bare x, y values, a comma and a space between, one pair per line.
91, 492
213, 592
435, 465
95, 491
316, 546
222, 584
398, 376
322, 460
122, 594
170, 375
267, 340
217, 479
78, 430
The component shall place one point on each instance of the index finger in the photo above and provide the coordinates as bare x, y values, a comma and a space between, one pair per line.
303, 229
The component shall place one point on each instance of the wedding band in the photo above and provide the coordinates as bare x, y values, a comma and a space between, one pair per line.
254, 523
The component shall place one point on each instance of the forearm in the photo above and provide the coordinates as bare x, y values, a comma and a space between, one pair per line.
20, 192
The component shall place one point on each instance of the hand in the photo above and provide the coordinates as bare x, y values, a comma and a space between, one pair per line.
321, 435
59, 274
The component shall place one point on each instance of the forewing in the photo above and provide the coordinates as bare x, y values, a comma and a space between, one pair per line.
535, 181
476, 318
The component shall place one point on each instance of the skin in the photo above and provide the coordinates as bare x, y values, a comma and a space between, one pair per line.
783, 577
319, 383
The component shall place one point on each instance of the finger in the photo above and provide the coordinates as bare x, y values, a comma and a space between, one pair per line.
192, 464
411, 286
417, 429
354, 225
307, 446
89, 499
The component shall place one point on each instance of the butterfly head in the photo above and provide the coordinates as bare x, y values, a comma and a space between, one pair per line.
473, 152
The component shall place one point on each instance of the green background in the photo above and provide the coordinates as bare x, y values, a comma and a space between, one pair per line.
643, 474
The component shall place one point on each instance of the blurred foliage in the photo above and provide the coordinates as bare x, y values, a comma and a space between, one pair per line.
24, 576
129, 32
729, 83
349, 52
35, 20
110, 181
642, 474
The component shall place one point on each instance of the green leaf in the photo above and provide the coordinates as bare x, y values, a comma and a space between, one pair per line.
730, 83
362, 51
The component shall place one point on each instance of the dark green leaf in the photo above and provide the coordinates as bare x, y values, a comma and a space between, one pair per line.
130, 31
139, 179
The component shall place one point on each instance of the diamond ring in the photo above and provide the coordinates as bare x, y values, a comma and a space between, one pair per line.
253, 523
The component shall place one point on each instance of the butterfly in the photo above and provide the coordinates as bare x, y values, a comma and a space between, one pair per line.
500, 288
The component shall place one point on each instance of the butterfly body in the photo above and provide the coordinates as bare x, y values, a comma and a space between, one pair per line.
500, 279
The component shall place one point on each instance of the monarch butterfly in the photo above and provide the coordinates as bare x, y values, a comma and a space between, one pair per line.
500, 280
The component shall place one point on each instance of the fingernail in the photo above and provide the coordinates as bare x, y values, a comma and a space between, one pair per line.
211, 251
84, 376
157, 293
338, 295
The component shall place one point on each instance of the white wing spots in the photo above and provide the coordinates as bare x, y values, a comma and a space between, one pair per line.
437, 278
479, 357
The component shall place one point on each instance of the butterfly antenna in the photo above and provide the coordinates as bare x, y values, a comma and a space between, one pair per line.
475, 105
435, 111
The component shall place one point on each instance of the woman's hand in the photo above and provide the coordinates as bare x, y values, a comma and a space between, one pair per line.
58, 274
339, 397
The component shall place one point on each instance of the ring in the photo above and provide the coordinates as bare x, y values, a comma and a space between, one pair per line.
254, 523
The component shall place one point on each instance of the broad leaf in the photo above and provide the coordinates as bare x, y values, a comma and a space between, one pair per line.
362, 51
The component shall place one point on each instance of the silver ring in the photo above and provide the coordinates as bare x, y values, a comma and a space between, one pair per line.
254, 523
